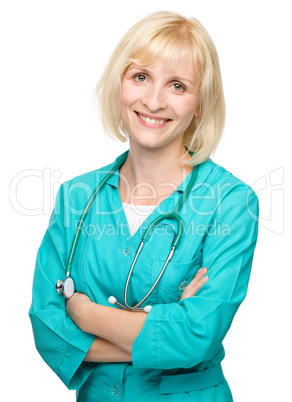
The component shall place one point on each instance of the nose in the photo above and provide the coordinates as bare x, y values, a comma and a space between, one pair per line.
154, 98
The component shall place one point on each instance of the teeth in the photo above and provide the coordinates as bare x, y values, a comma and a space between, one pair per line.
151, 121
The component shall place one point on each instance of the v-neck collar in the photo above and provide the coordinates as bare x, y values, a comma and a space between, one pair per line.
204, 170
168, 203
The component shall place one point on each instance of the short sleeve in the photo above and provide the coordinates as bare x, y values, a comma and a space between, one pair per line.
59, 341
191, 331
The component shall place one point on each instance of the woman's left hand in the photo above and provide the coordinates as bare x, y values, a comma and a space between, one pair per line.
77, 308
198, 281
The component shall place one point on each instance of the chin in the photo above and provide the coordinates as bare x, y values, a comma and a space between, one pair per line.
148, 145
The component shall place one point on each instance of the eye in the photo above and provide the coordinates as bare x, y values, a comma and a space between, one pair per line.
140, 77
178, 87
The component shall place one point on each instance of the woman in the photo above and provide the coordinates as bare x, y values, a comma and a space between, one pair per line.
162, 91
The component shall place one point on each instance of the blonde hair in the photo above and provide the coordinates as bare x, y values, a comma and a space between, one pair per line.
168, 34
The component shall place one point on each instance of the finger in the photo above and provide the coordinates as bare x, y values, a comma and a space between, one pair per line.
201, 272
196, 283
193, 289
199, 275
194, 286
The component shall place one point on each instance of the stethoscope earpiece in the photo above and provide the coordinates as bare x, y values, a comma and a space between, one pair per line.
66, 287
112, 300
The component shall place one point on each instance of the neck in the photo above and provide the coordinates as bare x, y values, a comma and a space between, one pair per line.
150, 175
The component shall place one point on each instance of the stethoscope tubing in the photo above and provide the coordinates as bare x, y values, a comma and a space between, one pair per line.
87, 208
175, 242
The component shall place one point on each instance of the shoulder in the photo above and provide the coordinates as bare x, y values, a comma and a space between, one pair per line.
90, 179
228, 189
77, 190
219, 175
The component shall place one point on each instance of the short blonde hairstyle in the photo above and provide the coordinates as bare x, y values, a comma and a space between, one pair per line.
168, 34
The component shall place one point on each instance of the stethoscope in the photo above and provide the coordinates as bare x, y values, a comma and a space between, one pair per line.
66, 287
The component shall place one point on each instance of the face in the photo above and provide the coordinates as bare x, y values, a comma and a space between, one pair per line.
158, 104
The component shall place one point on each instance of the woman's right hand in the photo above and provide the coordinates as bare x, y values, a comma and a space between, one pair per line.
195, 284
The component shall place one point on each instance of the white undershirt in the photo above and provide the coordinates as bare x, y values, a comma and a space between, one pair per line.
136, 215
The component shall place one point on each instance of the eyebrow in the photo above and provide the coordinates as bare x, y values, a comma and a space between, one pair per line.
173, 78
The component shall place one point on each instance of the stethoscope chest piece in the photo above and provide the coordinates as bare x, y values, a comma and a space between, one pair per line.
66, 287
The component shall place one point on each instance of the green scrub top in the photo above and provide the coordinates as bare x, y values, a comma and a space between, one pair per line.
177, 354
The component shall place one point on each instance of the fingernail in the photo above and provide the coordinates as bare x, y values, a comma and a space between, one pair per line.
199, 270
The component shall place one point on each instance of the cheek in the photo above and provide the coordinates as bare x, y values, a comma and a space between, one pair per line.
186, 115
188, 109
128, 93
124, 103
123, 97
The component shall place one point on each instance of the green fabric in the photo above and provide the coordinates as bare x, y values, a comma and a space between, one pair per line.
178, 337
191, 381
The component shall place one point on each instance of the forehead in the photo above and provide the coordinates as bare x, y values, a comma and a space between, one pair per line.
170, 57
168, 52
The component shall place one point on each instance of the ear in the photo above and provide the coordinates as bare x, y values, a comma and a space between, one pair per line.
198, 112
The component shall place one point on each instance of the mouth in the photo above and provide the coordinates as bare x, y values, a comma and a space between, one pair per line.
151, 121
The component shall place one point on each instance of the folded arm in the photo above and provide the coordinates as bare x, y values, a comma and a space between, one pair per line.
104, 351
200, 321
118, 327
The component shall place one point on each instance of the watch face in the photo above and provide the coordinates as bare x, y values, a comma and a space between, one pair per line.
69, 287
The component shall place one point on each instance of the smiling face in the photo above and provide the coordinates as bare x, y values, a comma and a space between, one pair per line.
159, 103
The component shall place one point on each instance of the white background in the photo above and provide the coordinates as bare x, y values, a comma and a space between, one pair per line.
52, 53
